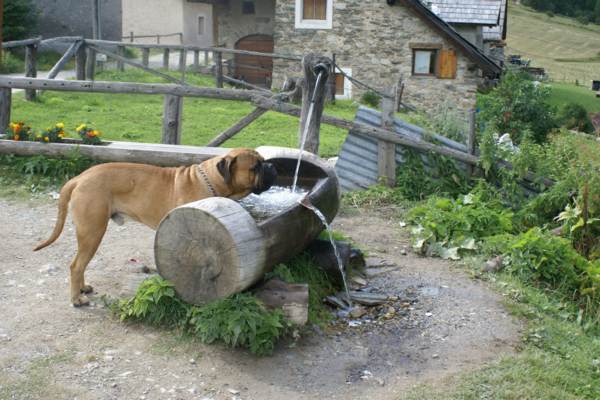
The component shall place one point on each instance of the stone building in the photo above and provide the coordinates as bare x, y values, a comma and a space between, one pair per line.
375, 41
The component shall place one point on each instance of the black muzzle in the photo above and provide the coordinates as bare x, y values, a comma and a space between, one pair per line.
268, 174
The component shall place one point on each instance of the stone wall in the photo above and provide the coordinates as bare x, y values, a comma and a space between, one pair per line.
373, 40
74, 18
234, 25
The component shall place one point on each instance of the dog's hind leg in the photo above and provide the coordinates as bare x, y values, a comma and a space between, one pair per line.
90, 223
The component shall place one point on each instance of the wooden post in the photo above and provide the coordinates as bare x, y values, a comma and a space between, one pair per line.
173, 109
5, 103
331, 82
206, 58
90, 66
309, 62
196, 60
30, 68
90, 70
166, 56
131, 36
218, 59
145, 56
120, 64
80, 58
386, 160
399, 91
470, 142
182, 60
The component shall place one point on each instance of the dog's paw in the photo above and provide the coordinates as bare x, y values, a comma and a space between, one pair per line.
81, 300
87, 289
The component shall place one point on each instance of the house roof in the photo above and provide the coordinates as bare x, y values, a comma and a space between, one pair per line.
437, 23
498, 32
476, 12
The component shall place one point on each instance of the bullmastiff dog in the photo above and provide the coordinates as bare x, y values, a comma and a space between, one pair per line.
147, 193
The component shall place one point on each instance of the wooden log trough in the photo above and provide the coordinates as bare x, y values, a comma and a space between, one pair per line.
213, 248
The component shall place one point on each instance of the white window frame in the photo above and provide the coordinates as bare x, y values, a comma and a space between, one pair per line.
347, 85
326, 23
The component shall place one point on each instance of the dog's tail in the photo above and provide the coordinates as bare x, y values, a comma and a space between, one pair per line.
63, 206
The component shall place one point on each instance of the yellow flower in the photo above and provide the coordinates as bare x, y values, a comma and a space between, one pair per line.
60, 125
46, 139
16, 137
38, 136
81, 127
61, 134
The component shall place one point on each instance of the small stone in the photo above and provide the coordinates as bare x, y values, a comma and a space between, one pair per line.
233, 392
193, 390
114, 385
494, 265
428, 314
389, 313
48, 269
357, 312
4, 337
354, 324
435, 356
366, 375
12, 282
192, 361
380, 381
404, 251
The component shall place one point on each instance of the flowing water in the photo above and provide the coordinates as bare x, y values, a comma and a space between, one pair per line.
271, 202
302, 143
319, 214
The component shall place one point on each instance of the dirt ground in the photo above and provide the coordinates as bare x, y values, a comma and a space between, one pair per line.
50, 350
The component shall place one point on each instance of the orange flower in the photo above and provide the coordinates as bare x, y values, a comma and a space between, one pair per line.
16, 137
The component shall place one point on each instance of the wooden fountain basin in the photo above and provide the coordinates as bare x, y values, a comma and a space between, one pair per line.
213, 248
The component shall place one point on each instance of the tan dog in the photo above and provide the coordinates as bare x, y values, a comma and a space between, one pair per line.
147, 193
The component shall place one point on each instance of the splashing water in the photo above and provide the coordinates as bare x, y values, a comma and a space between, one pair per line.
271, 202
319, 214
302, 143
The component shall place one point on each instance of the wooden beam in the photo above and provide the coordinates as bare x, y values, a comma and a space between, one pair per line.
5, 105
120, 63
80, 59
64, 59
246, 84
90, 66
166, 56
244, 122
172, 113
20, 43
386, 151
30, 68
138, 65
126, 87
309, 130
145, 57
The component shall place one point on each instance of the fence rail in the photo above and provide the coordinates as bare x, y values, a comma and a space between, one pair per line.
132, 36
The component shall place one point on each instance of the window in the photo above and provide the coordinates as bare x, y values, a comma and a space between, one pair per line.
201, 25
314, 14
248, 7
343, 86
424, 61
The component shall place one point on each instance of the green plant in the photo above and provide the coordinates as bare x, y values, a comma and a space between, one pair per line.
19, 131
156, 303
89, 135
370, 98
575, 116
239, 321
62, 169
375, 196
516, 105
10, 63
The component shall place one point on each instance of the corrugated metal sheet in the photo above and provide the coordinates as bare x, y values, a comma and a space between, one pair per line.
357, 163
479, 12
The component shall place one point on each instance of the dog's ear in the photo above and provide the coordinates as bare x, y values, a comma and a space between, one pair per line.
225, 168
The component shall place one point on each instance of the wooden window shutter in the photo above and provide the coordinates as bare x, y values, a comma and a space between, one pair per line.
339, 84
314, 9
447, 64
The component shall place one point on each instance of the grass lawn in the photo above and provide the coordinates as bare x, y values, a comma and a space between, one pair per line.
563, 93
139, 117
567, 49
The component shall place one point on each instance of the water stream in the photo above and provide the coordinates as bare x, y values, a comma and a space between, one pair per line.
302, 143
319, 214
271, 202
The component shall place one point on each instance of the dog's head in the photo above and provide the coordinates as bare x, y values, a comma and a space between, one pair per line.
245, 171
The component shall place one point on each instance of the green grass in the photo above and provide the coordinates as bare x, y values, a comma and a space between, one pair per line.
564, 93
557, 359
567, 49
139, 117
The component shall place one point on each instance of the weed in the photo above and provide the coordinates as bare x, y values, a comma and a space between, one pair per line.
370, 98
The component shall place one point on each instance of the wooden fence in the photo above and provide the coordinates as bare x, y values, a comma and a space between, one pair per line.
263, 100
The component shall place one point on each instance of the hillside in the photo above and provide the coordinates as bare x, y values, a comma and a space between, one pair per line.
567, 49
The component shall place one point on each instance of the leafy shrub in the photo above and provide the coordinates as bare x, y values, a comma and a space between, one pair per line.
370, 98
446, 226
449, 122
575, 116
238, 321
10, 63
65, 168
517, 105
156, 303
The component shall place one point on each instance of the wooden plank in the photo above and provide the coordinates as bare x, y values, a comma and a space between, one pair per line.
120, 63
138, 65
90, 66
386, 151
182, 60
196, 60
5, 105
64, 59
126, 87
245, 84
172, 112
205, 57
378, 133
241, 124
218, 59
145, 57
30, 68
80, 59
166, 56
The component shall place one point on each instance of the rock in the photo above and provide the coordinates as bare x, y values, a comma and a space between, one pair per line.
404, 251
359, 281
48, 269
366, 375
376, 262
389, 313
357, 312
494, 265
435, 356
4, 337
354, 324
233, 391
380, 381
192, 361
